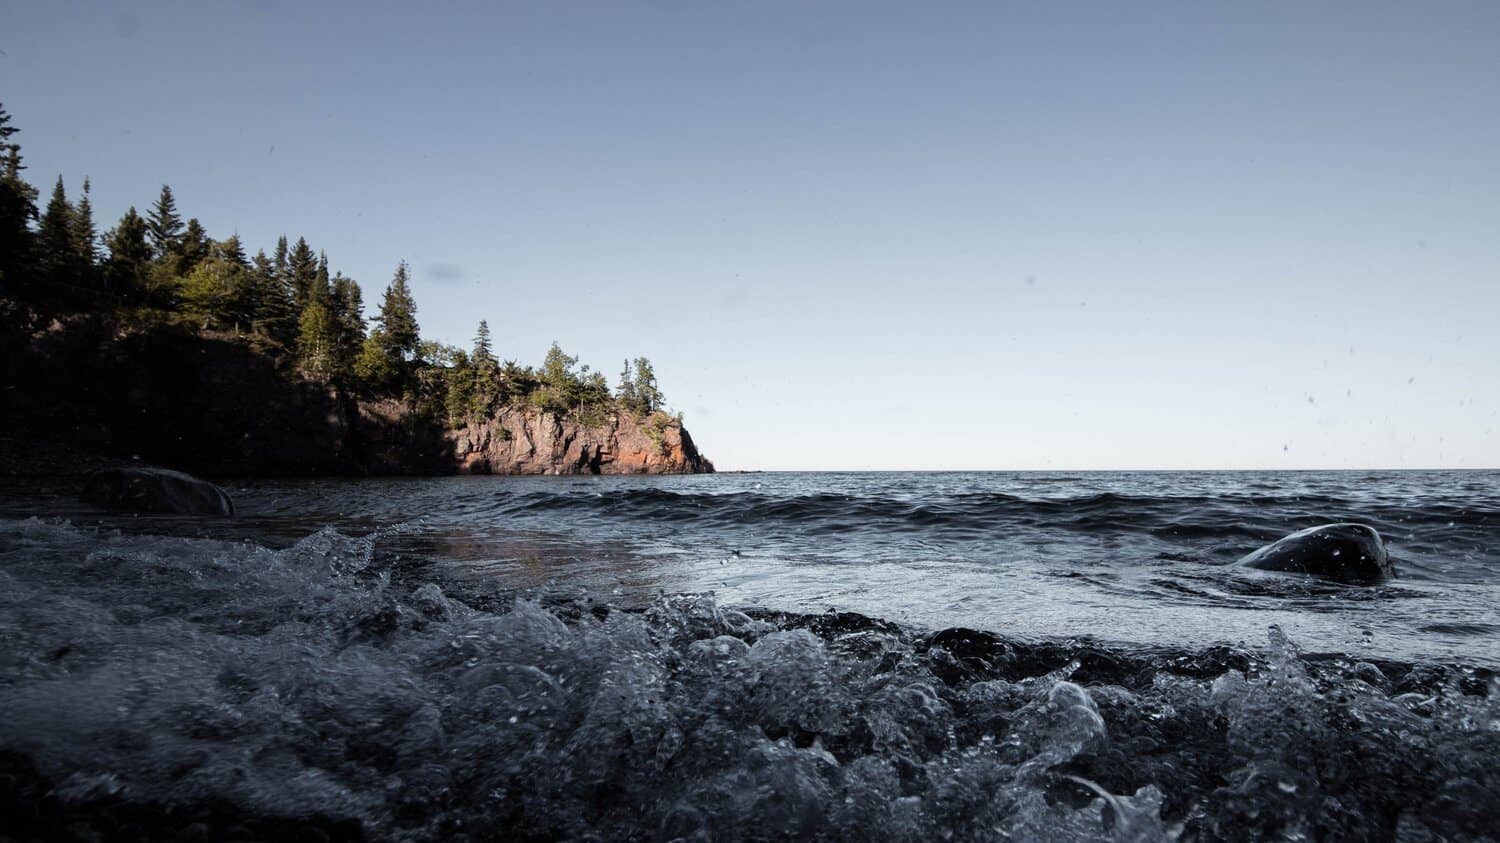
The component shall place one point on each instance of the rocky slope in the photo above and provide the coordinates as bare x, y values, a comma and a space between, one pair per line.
220, 405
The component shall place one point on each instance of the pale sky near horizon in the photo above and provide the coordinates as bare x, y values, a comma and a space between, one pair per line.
864, 235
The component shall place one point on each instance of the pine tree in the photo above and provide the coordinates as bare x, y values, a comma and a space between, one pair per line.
561, 386
164, 225
192, 247
282, 262
273, 315
302, 268
485, 375
625, 391
17, 209
648, 398
483, 351
129, 257
398, 318
232, 250
55, 239
459, 381
349, 319
85, 236
385, 360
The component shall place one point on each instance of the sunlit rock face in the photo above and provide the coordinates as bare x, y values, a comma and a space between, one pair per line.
1347, 553
154, 684
524, 441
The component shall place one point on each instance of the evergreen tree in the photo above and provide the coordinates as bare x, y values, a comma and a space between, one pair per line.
85, 236
302, 268
398, 319
232, 250
484, 376
164, 225
560, 388
349, 319
648, 396
324, 282
483, 350
625, 391
282, 262
273, 314
55, 238
17, 209
129, 257
459, 380
192, 247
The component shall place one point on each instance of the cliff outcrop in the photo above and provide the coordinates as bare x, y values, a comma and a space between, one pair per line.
525, 441
222, 405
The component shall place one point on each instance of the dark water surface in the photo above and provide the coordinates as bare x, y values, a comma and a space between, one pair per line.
874, 656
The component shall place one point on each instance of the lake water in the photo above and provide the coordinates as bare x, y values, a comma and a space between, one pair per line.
871, 656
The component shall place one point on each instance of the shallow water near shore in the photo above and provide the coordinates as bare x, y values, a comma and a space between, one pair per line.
878, 656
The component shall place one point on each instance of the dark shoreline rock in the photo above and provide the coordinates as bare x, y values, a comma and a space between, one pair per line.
1346, 553
156, 490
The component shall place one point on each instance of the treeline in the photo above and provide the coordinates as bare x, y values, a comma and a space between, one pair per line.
160, 266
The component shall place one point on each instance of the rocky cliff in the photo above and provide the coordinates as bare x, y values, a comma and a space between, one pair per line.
220, 405
528, 442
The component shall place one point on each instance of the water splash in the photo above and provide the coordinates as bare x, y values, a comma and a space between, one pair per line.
159, 678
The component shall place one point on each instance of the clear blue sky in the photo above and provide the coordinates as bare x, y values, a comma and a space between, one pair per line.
863, 235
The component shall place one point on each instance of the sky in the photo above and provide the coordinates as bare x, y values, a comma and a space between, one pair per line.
862, 235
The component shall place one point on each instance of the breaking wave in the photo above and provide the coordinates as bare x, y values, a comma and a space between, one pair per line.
157, 686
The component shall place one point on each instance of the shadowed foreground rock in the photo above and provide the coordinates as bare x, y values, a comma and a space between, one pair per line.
1347, 553
157, 490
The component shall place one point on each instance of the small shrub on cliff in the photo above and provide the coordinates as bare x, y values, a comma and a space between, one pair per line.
655, 428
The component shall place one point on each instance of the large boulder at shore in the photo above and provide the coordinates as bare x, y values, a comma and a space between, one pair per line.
157, 490
1347, 553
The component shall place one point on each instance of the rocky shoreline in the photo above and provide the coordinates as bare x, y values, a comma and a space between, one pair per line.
85, 393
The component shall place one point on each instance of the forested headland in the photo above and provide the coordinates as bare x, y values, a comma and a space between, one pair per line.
157, 280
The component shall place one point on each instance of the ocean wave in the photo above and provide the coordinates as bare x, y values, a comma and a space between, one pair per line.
1255, 517
155, 683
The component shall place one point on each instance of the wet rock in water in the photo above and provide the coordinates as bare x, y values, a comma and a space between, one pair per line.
156, 490
1346, 553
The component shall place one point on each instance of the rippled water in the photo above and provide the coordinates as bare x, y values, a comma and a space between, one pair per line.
869, 656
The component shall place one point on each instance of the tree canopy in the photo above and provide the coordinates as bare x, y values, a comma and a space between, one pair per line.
159, 266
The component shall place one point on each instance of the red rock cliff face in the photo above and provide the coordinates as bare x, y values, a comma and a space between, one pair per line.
525, 441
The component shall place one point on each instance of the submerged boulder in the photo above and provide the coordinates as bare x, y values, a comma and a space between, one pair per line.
1347, 553
156, 490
